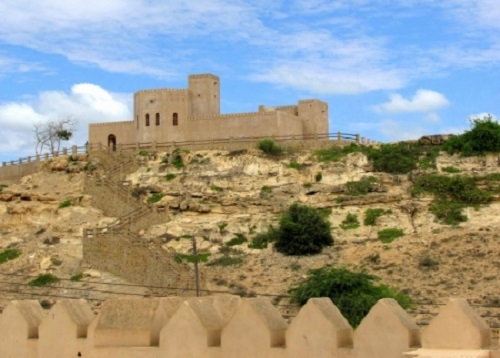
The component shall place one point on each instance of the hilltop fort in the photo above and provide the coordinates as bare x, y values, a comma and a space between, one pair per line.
193, 114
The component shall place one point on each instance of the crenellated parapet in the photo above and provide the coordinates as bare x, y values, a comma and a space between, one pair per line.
228, 326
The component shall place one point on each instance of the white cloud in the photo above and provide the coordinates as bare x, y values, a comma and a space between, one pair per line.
422, 101
86, 102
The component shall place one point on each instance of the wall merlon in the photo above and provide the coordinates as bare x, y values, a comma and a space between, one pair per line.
195, 327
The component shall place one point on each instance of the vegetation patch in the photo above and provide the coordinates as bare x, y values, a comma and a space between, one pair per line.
372, 214
294, 165
425, 261
484, 137
318, 177
76, 277
156, 197
350, 222
216, 189
200, 257
362, 187
262, 240
2, 186
450, 169
269, 147
265, 192
237, 240
336, 153
9, 254
44, 280
65, 204
170, 176
226, 260
144, 153
303, 230
390, 234
354, 293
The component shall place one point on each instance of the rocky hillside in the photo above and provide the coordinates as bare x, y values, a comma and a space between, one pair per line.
224, 199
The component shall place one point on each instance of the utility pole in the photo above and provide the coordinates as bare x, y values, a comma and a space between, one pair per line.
196, 273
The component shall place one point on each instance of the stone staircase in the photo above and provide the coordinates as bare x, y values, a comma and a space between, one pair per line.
118, 248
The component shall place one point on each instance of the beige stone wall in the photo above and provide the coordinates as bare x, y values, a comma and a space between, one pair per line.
228, 326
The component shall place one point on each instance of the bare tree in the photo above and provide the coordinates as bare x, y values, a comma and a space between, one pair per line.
48, 135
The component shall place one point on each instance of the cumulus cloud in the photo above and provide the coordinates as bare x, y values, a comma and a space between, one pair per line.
422, 101
85, 101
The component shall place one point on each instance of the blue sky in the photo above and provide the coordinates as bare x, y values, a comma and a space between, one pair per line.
389, 69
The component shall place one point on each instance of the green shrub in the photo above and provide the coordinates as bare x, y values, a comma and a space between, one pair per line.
425, 261
144, 153
318, 177
484, 137
260, 241
170, 176
294, 165
307, 185
177, 161
65, 204
222, 227
354, 293
226, 260
76, 277
216, 188
350, 222
398, 158
303, 231
200, 257
237, 240
362, 187
265, 192
389, 235
43, 280
371, 216
450, 170
448, 212
269, 147
335, 153
156, 197
9, 254
2, 186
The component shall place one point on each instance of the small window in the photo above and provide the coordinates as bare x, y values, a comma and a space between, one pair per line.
147, 120
157, 119
175, 119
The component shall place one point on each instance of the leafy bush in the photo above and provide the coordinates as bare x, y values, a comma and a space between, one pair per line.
335, 153
144, 153
170, 176
448, 212
427, 262
65, 204
260, 241
294, 165
9, 254
2, 186
303, 231
450, 170
398, 158
76, 277
371, 216
200, 257
318, 177
237, 240
265, 192
156, 197
389, 235
350, 222
226, 260
456, 188
362, 187
216, 188
269, 147
222, 227
43, 280
177, 161
484, 137
354, 293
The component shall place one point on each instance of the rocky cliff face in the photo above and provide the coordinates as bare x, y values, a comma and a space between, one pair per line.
217, 196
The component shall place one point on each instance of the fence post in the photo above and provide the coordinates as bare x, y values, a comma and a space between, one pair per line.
357, 138
74, 150
46, 157
65, 151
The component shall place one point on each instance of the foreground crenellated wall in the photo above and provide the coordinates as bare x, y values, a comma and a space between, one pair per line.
228, 326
